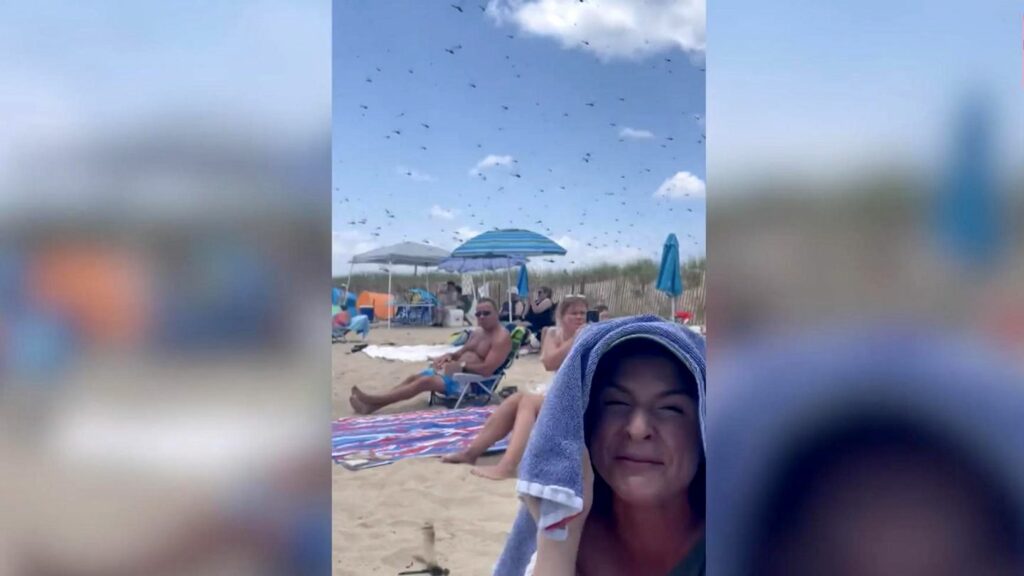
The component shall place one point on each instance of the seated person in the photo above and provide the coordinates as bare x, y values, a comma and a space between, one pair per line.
541, 312
447, 299
517, 308
464, 303
349, 319
342, 324
519, 411
486, 350
602, 313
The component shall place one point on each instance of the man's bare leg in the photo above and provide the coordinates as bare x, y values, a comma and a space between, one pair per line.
364, 403
498, 425
526, 416
357, 398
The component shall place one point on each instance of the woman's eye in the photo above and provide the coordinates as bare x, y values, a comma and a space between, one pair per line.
614, 403
675, 409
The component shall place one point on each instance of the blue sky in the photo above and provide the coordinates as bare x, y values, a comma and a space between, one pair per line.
600, 116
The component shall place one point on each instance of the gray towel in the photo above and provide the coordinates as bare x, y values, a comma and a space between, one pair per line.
551, 467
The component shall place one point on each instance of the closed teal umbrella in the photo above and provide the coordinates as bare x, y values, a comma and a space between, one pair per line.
670, 281
523, 286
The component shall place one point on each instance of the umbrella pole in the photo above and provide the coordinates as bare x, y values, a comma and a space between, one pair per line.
508, 291
348, 286
390, 311
673, 317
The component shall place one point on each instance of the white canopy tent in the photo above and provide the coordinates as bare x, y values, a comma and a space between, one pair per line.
403, 254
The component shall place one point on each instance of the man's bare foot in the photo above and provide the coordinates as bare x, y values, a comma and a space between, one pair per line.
360, 406
362, 396
463, 457
497, 472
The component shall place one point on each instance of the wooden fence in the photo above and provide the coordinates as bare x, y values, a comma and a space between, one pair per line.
624, 296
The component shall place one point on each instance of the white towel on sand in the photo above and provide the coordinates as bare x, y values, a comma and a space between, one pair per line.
408, 353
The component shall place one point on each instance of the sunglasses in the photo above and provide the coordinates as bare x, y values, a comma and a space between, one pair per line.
479, 314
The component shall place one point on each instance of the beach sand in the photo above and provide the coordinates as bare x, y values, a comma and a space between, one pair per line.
378, 512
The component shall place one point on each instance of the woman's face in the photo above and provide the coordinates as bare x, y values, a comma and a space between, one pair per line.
575, 316
646, 442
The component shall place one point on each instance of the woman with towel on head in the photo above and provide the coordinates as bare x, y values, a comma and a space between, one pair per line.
613, 479
519, 411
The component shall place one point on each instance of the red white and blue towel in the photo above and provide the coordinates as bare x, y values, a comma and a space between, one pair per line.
393, 437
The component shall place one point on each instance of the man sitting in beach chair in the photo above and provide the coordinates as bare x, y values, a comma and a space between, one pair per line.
486, 351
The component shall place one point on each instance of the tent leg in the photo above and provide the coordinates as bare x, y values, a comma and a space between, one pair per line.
508, 291
348, 286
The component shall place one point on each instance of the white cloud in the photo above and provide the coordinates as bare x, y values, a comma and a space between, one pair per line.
611, 29
414, 174
465, 233
344, 245
635, 134
577, 251
490, 161
439, 213
681, 185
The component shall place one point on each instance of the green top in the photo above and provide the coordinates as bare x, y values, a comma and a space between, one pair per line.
693, 564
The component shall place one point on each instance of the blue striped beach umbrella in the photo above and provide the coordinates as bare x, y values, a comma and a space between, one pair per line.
508, 243
512, 242
464, 265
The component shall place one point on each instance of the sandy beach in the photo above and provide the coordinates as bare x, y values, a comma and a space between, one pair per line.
378, 512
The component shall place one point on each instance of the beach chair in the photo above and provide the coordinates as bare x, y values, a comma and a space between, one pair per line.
360, 325
478, 389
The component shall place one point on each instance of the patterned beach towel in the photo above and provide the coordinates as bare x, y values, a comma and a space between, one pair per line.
365, 441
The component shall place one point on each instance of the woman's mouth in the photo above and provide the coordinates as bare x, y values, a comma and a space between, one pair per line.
644, 460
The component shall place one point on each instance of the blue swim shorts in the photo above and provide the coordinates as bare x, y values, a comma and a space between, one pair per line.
451, 387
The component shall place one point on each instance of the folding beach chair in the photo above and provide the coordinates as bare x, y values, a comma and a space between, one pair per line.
481, 389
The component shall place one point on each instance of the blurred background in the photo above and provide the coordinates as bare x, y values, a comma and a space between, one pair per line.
867, 163
164, 249
865, 199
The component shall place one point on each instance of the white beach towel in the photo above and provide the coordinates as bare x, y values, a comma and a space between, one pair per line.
408, 353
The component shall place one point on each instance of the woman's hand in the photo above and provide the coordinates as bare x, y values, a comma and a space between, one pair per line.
588, 495
558, 558
533, 504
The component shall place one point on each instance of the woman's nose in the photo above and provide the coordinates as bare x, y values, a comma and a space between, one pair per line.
639, 426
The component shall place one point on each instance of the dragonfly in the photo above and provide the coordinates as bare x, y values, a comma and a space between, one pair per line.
429, 558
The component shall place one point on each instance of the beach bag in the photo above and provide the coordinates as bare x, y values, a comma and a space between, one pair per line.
460, 338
